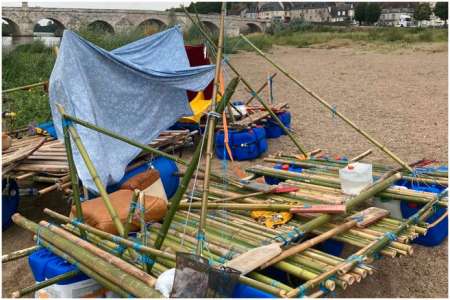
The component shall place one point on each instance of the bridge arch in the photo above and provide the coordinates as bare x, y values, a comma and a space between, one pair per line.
49, 25
100, 26
9, 27
151, 26
213, 28
250, 28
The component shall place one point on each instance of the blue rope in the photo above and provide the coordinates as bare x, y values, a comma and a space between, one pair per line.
200, 236
358, 258
301, 291
376, 255
391, 235
66, 122
333, 111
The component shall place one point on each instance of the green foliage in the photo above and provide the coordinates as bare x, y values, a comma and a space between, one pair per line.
206, 7
441, 10
27, 64
50, 27
422, 11
360, 12
32, 63
367, 12
373, 12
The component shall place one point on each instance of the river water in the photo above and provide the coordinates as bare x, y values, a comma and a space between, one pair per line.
8, 42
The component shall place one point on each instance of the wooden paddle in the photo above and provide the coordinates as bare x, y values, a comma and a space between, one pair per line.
264, 256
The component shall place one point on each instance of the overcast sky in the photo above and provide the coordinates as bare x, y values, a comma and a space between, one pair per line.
135, 4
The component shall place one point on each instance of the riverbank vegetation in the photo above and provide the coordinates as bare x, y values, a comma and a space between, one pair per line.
31, 63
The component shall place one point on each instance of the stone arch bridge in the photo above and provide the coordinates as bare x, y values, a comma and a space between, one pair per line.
23, 19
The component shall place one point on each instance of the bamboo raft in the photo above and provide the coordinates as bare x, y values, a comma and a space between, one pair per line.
217, 222
37, 161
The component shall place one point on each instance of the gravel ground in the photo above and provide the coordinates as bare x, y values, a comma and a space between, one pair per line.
397, 95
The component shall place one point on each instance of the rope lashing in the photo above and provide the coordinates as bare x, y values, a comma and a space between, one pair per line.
391, 235
333, 111
200, 236
301, 291
358, 258
66, 122
214, 114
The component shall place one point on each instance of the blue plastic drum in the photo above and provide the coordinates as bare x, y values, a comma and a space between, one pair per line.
435, 235
273, 130
10, 201
44, 265
274, 180
167, 169
244, 144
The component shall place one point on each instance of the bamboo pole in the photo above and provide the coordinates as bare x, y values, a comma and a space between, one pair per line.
361, 156
19, 253
241, 206
43, 284
179, 194
247, 84
87, 270
327, 105
365, 252
110, 237
263, 86
25, 87
102, 267
210, 135
121, 264
93, 172
72, 173
311, 242
131, 211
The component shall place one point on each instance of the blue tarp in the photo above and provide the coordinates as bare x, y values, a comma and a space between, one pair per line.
137, 90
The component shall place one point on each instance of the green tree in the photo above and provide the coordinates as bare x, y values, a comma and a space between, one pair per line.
206, 7
441, 10
360, 12
373, 12
422, 12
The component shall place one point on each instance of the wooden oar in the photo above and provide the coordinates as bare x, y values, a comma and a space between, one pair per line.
360, 219
279, 189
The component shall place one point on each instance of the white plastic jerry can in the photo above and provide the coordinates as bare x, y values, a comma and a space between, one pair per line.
355, 177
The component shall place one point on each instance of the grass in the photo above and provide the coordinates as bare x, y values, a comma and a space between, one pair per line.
31, 63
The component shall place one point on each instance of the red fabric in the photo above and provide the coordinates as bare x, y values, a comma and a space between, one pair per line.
196, 58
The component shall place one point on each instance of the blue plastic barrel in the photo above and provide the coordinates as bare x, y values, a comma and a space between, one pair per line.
10, 201
49, 127
244, 144
166, 167
273, 130
44, 265
59, 266
274, 180
245, 291
438, 233
331, 247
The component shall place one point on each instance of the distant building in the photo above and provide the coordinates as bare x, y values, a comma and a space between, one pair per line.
316, 12
392, 11
271, 11
341, 12
310, 11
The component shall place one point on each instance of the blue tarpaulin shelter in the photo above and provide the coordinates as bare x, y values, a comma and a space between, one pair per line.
137, 90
